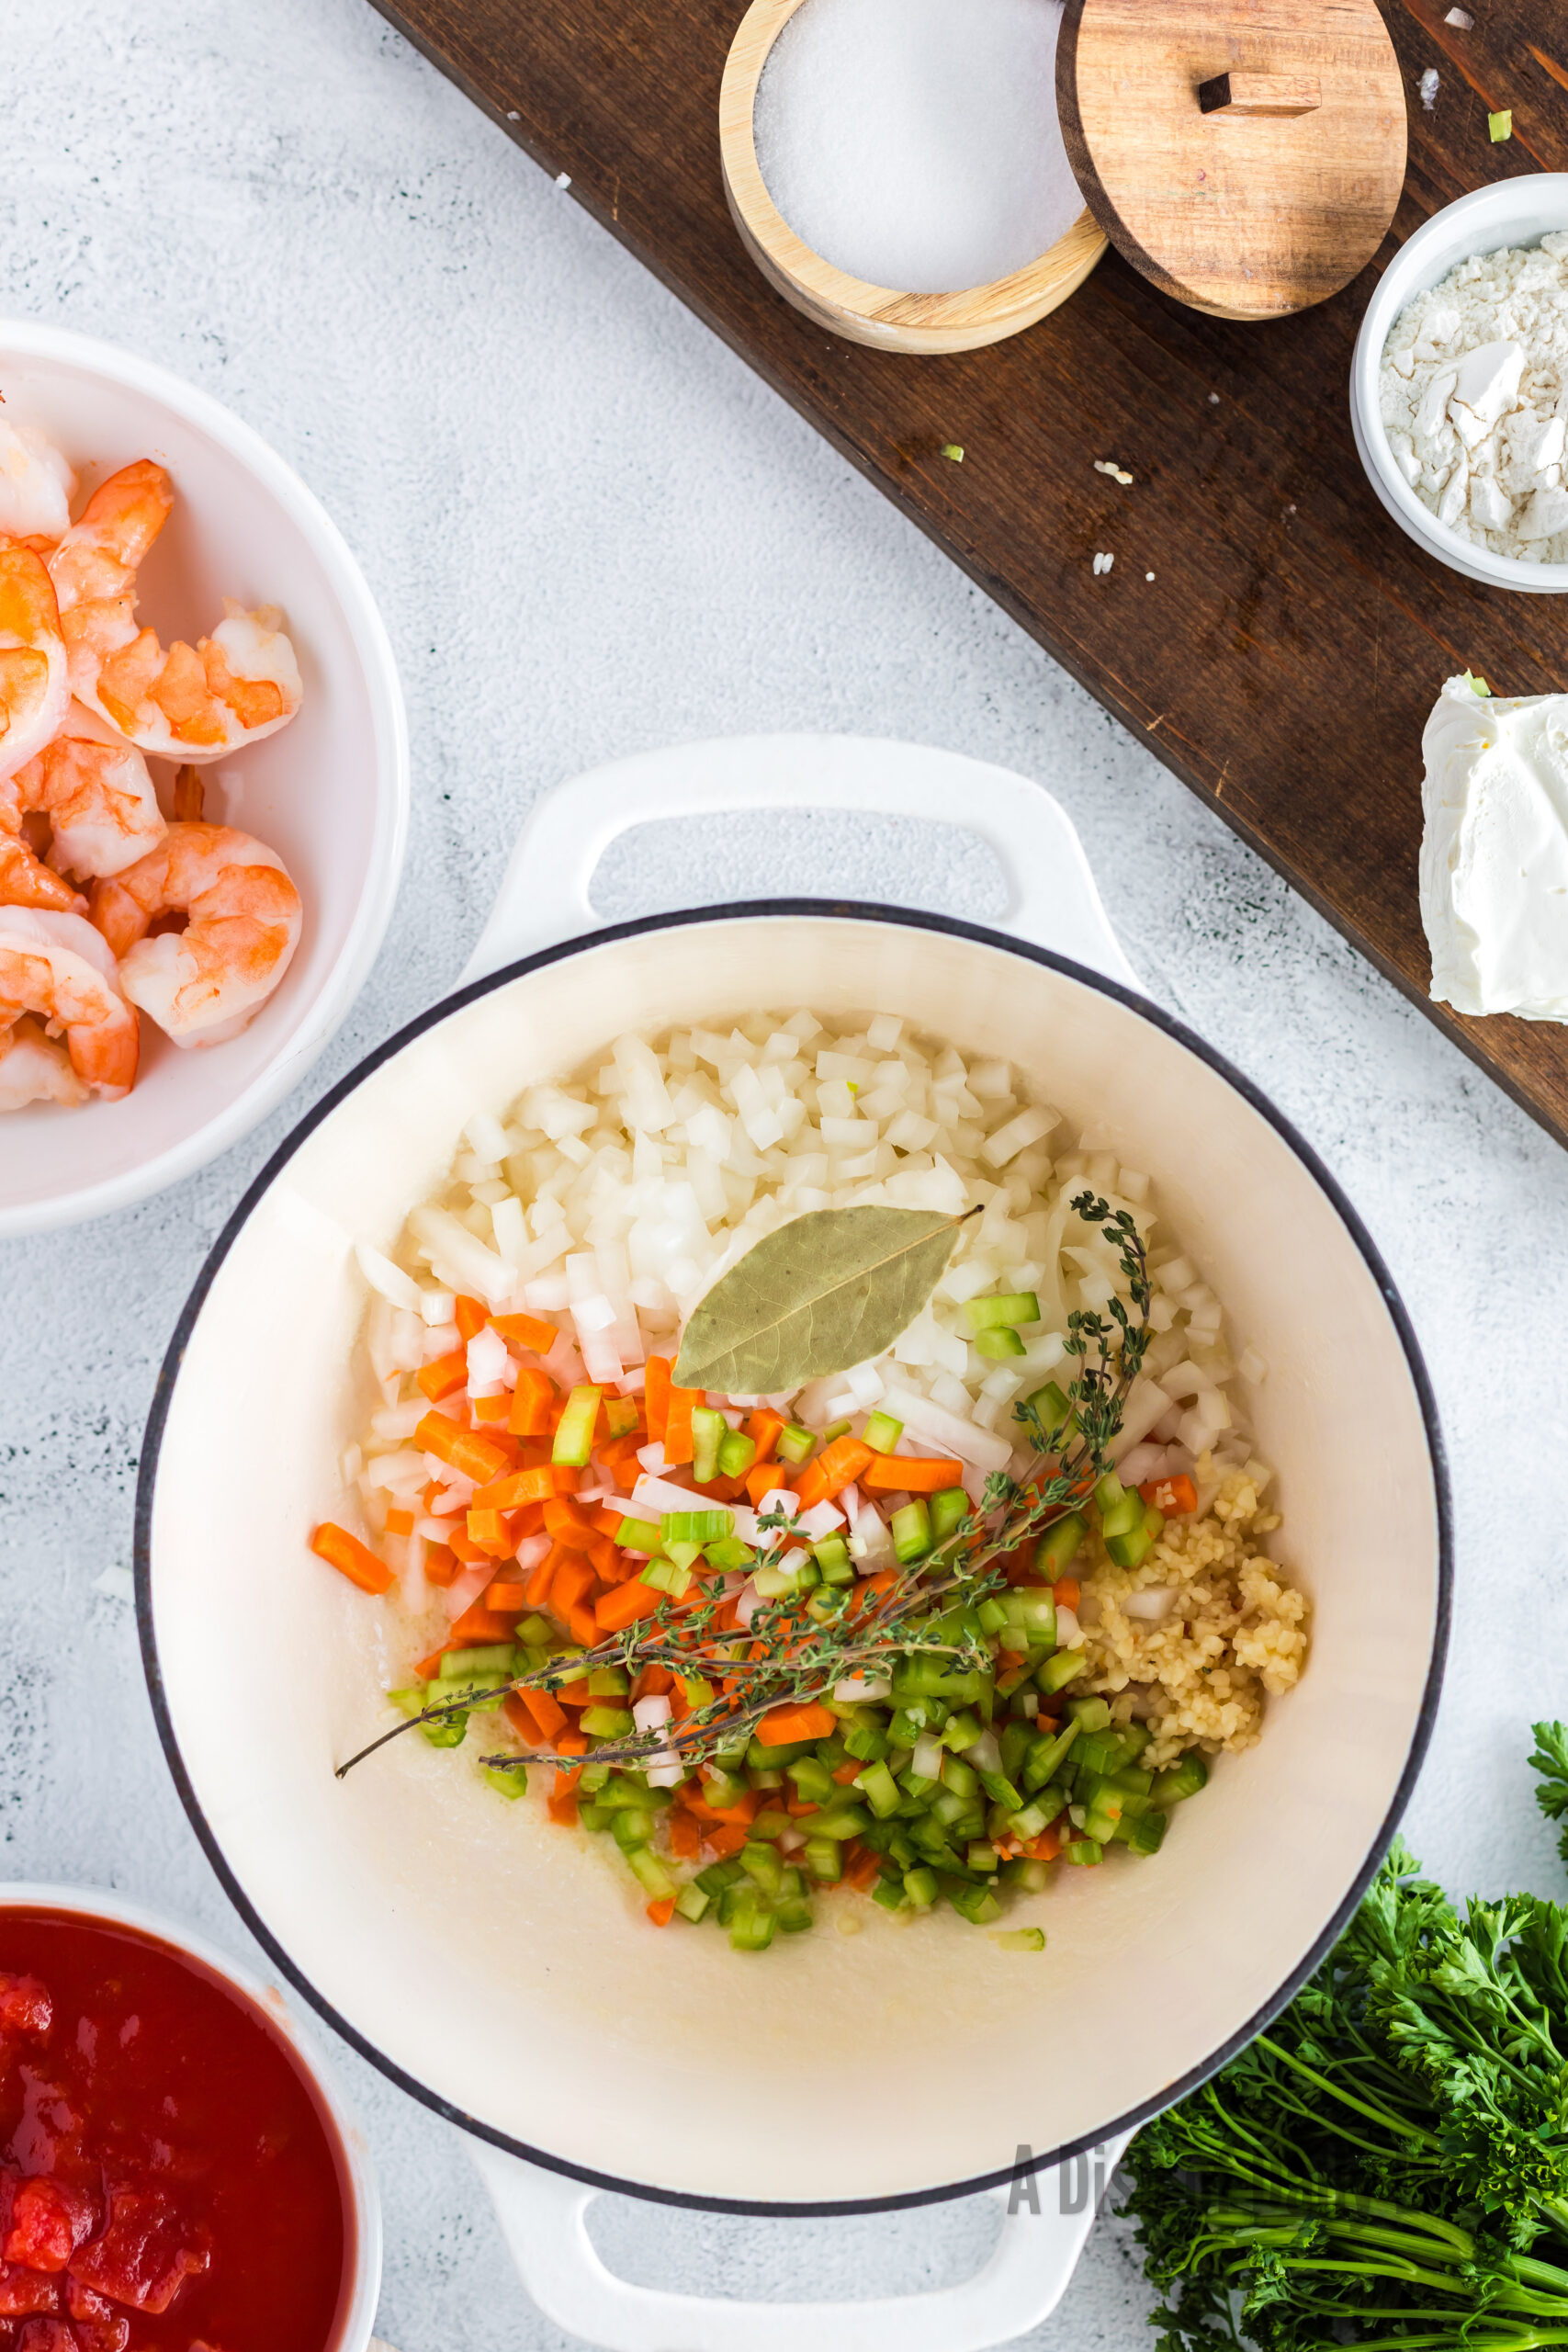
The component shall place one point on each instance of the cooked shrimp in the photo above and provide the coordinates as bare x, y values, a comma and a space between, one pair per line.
34, 687
58, 967
191, 703
201, 985
34, 1070
36, 488
95, 791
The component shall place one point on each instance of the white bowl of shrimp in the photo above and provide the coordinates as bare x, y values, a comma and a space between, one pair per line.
203, 778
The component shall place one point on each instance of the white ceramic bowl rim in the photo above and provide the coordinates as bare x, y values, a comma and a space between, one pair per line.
1404, 277
846, 910
318, 1019
101, 1908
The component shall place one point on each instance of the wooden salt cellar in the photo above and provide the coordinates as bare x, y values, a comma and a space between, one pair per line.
1246, 155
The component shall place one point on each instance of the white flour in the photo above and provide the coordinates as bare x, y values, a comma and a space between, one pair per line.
1475, 400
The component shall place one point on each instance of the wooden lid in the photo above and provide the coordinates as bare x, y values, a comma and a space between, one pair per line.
1246, 155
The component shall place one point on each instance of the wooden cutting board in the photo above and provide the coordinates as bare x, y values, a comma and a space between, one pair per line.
1284, 658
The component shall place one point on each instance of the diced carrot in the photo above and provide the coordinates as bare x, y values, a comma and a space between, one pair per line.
400, 1523
486, 1527
763, 1427
663, 1911
727, 1839
563, 1517
527, 1520
798, 1807
440, 1565
860, 1866
625, 1604
604, 1556
832, 1471
531, 1402
575, 1694
526, 1331
784, 1725
506, 1596
428, 1667
492, 1408
656, 1393
871, 1588
470, 1315
478, 1458
571, 1581
469, 1553
763, 1478
352, 1558
684, 1835
1176, 1496
620, 1456
573, 1743
847, 1771
478, 1624
444, 1375
515, 1487
678, 1444
654, 1682
540, 1576
535, 1714
563, 1809
911, 1474
606, 1520
1046, 1848
1066, 1592
568, 1480
581, 1623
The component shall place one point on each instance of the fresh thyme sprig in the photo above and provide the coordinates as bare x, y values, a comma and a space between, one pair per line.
797, 1650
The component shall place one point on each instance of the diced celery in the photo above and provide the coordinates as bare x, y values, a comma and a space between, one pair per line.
792, 1915
976, 1904
717, 1876
882, 1433
771, 1821
607, 1723
1083, 1852
709, 1429
630, 1827
666, 1575
1057, 1671
835, 1429
762, 1862
447, 1731
814, 1785
691, 1903
823, 1860
920, 1887
1059, 1546
911, 1528
880, 1790
980, 1855
1132, 1549
411, 1701
752, 1925
537, 1632
468, 1665
889, 1893
843, 1823
728, 1552
573, 1440
650, 1872
1090, 1714
695, 1526
1143, 1833
832, 1554
865, 1743
608, 1682
510, 1779
1021, 1939
637, 1535
794, 1444
620, 1415
1099, 1751
737, 1452
1183, 1779
1001, 1311
997, 1346
1028, 1875
949, 1506
1053, 1408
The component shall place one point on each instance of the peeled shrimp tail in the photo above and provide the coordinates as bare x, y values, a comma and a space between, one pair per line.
99, 797
25, 881
57, 968
35, 687
243, 919
34, 1070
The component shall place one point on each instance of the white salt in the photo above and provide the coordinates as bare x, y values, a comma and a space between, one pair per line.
915, 143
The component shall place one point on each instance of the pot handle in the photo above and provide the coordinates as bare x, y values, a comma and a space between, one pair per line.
543, 2216
1052, 901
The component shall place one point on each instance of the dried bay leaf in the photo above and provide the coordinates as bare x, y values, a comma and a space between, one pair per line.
822, 1293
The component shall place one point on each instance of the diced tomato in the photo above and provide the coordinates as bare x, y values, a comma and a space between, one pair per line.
48, 2335
22, 2291
140, 2258
99, 2328
48, 2223
25, 2005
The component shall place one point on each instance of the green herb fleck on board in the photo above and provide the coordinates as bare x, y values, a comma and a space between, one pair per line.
1477, 685
954, 451
1501, 126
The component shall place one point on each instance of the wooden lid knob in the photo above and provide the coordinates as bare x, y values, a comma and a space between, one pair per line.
1246, 155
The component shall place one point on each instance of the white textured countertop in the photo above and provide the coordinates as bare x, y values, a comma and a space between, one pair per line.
590, 529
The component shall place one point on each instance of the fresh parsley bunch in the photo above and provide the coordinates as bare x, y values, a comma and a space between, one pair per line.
1387, 2167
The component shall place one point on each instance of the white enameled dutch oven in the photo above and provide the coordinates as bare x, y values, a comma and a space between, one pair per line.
496, 1966
361, 2202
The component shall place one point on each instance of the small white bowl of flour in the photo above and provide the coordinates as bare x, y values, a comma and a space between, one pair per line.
1459, 385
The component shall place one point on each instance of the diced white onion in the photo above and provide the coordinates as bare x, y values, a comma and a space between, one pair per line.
390, 1281
856, 1689
466, 1587
1069, 1635
927, 1757
819, 1520
1154, 1603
